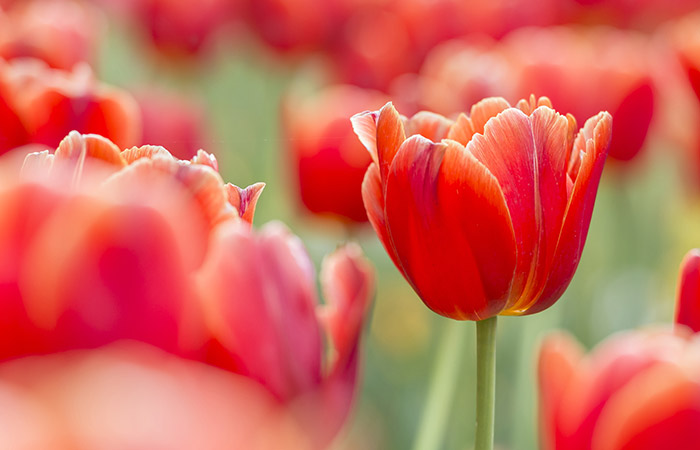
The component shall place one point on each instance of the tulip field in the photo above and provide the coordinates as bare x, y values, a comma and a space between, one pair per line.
350, 224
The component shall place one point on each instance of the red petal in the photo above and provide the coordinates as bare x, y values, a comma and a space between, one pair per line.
461, 267
390, 136
484, 110
373, 198
364, 125
559, 357
592, 143
688, 303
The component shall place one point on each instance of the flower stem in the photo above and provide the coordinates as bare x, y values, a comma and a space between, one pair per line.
485, 382
443, 383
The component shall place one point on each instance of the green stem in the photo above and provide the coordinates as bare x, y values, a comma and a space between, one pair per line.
443, 383
485, 382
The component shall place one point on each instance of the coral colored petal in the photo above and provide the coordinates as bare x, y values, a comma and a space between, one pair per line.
429, 125
260, 299
688, 301
559, 356
244, 200
206, 159
133, 154
592, 143
461, 131
77, 147
431, 207
484, 110
348, 283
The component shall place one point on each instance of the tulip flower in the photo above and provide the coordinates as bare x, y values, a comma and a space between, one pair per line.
330, 162
585, 70
260, 302
487, 214
42, 105
637, 390
173, 121
62, 33
130, 395
688, 302
686, 40
117, 237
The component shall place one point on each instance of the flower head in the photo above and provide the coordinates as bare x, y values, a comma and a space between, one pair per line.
487, 214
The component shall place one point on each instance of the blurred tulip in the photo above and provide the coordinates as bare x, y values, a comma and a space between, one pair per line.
41, 105
116, 237
130, 395
686, 40
261, 303
637, 390
330, 161
61, 33
174, 121
586, 70
488, 214
688, 303
179, 28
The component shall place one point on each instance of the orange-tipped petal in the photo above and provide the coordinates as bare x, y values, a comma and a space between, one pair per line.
390, 135
133, 154
688, 301
373, 199
429, 125
592, 146
207, 159
77, 147
364, 125
244, 200
484, 110
433, 193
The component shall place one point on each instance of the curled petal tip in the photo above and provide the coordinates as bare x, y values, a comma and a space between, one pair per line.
207, 159
245, 199
688, 301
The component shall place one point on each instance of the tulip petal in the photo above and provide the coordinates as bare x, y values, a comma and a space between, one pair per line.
373, 199
364, 125
260, 302
244, 200
688, 302
133, 154
429, 125
659, 408
559, 356
592, 146
77, 147
433, 194
484, 110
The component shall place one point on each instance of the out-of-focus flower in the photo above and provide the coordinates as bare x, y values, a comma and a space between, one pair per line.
61, 33
457, 74
639, 14
487, 214
688, 302
637, 390
261, 305
173, 121
100, 244
178, 28
329, 160
130, 395
686, 40
585, 70
42, 105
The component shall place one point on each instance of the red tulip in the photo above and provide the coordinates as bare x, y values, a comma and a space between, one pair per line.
331, 163
637, 390
686, 40
688, 303
130, 395
585, 70
61, 33
42, 105
488, 214
116, 237
260, 301
174, 121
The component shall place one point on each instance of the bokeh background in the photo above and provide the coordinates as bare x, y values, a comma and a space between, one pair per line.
246, 72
